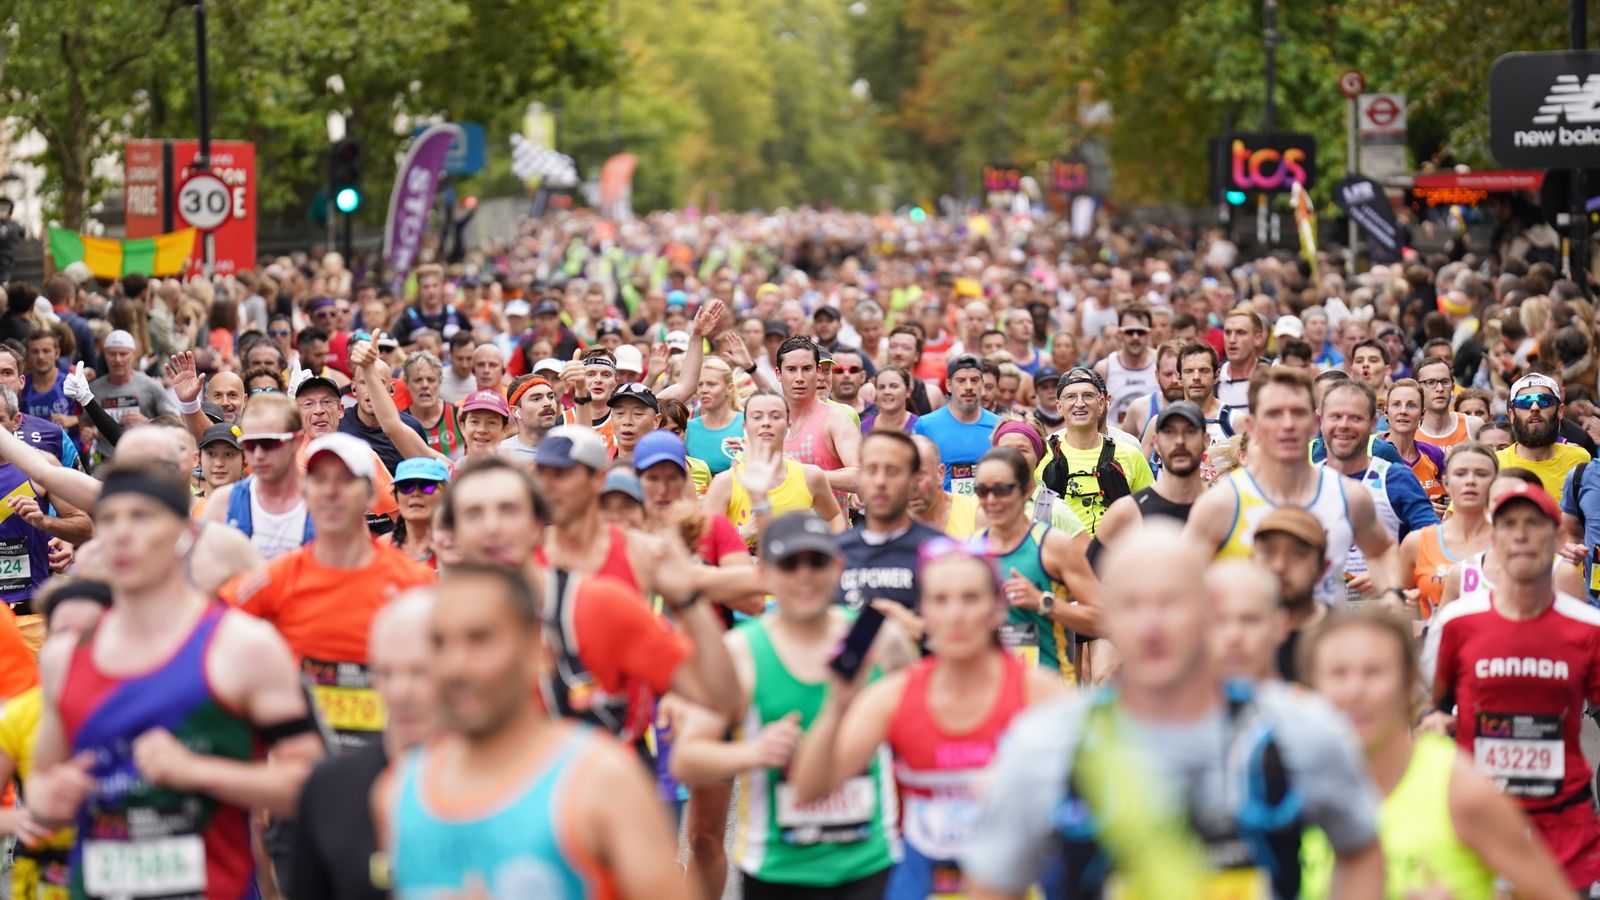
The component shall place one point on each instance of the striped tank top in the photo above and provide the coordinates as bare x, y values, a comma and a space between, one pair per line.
517, 846
1327, 505
135, 839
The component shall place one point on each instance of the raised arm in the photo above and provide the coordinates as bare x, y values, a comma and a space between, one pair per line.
77, 488
707, 322
364, 356
188, 385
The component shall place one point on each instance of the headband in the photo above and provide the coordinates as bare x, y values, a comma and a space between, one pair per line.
606, 362
1024, 429
171, 496
97, 592
525, 387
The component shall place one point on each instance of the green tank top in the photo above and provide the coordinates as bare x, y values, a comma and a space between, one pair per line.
1034, 637
1419, 840
841, 838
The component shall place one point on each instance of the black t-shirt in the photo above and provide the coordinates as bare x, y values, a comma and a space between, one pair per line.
336, 838
887, 569
1153, 504
375, 438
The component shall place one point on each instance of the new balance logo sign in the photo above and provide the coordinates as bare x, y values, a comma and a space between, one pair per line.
1579, 102
1576, 102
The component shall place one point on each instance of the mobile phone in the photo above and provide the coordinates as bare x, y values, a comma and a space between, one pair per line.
852, 653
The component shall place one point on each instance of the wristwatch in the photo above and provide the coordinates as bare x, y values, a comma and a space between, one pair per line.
1047, 602
688, 601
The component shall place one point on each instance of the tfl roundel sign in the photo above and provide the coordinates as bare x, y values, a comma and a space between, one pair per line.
1544, 109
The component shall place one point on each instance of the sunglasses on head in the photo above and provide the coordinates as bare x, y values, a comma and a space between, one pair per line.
1003, 489
810, 559
1535, 401
254, 391
411, 487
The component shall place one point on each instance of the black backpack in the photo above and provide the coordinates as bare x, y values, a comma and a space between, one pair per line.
1107, 472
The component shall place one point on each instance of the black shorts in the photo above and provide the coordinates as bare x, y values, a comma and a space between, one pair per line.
868, 888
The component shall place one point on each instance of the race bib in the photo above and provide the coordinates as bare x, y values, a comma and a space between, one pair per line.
941, 826
963, 479
16, 572
1022, 639
1525, 753
149, 868
839, 818
346, 701
1229, 884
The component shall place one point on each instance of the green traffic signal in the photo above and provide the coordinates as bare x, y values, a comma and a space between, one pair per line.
347, 200
918, 214
1234, 198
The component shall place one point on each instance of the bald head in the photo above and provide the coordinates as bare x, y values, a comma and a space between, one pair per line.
399, 651
927, 453
1247, 623
226, 390
155, 443
1153, 614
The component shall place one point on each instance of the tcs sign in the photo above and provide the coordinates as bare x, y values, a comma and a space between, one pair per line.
1265, 163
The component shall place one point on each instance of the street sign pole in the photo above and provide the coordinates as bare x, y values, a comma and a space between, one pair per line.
202, 160
1578, 240
1351, 166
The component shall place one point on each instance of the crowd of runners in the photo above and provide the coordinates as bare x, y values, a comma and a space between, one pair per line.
946, 558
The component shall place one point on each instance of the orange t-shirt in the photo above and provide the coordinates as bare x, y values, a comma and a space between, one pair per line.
323, 613
383, 501
570, 417
19, 669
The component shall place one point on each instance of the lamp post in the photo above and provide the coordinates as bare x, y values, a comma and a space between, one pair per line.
202, 160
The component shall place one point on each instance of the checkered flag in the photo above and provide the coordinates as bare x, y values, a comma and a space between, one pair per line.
530, 161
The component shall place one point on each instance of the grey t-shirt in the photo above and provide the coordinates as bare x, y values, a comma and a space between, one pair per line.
1014, 838
141, 393
518, 450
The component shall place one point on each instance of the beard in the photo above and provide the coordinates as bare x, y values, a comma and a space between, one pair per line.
1535, 436
1182, 467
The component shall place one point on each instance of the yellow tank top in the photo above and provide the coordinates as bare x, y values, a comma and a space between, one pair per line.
1420, 846
1328, 506
962, 522
789, 495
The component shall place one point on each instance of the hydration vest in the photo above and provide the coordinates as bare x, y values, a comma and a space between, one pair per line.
571, 691
241, 517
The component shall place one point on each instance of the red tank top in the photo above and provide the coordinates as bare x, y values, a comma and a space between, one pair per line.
616, 564
937, 771
1519, 688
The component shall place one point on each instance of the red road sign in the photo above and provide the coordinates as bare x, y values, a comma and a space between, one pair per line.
1382, 111
1351, 83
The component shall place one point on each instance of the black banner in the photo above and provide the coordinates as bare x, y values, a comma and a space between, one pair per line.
1263, 163
1544, 109
1363, 200
1001, 177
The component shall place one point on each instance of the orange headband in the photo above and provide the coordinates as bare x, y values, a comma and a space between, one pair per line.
524, 387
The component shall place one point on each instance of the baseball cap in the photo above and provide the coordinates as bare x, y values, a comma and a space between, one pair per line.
547, 308
489, 400
765, 289
775, 327
120, 340
1530, 493
548, 364
798, 532
1081, 375
351, 450
566, 446
634, 391
677, 298
422, 468
1289, 326
825, 310
962, 361
1160, 277
213, 412
388, 341
1045, 373
658, 447
1295, 522
629, 359
622, 481
317, 381
1536, 380
1184, 409
519, 308
225, 434
824, 357
678, 341
609, 326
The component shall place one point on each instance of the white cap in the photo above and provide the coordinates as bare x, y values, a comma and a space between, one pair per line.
355, 453
519, 308
629, 359
1161, 277
120, 340
548, 364
78, 271
1289, 326
678, 341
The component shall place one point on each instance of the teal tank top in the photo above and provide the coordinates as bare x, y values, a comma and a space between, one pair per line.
719, 447
1033, 636
515, 849
841, 838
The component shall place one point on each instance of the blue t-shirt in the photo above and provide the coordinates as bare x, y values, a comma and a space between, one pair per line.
960, 443
1582, 499
717, 447
47, 403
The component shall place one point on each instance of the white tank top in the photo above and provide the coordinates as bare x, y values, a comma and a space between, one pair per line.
1125, 384
1234, 392
1094, 320
274, 534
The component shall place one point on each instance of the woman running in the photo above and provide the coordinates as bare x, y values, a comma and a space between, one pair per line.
419, 484
1404, 411
1046, 505
941, 719
1479, 571
894, 392
1442, 826
764, 484
1426, 555
1049, 586
717, 434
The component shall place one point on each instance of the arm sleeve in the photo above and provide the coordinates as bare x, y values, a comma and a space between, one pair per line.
1409, 500
619, 639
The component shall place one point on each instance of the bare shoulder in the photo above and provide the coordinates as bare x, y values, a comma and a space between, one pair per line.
243, 636
217, 503
1041, 685
54, 657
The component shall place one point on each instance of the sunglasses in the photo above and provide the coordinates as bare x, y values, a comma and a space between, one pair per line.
810, 559
848, 370
428, 488
1004, 489
1135, 332
280, 332
1535, 401
255, 391
265, 445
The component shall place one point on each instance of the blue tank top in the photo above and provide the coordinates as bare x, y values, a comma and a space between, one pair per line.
24, 549
49, 402
718, 447
240, 516
516, 850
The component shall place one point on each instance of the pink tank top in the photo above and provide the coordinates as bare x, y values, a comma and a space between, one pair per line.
808, 440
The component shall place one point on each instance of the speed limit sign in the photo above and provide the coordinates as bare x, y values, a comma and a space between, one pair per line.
1351, 83
204, 201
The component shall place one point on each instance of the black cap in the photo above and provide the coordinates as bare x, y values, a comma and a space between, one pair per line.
825, 310
776, 328
547, 308
213, 412
1044, 374
632, 390
1081, 375
611, 326
962, 361
1183, 409
798, 532
219, 434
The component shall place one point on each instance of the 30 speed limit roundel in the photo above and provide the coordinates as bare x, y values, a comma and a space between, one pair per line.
204, 202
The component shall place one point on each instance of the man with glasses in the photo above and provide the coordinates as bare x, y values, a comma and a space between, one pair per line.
1441, 426
269, 507
848, 375
323, 597
1131, 371
1536, 428
1086, 466
962, 428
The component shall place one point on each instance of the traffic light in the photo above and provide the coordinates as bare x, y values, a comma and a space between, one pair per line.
344, 175
1234, 198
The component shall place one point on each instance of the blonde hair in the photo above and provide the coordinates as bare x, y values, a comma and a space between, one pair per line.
720, 366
